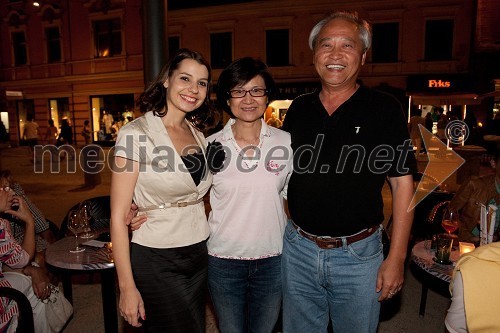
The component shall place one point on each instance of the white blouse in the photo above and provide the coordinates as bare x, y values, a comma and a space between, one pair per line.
248, 220
163, 178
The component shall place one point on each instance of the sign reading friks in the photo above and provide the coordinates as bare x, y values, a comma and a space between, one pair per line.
440, 82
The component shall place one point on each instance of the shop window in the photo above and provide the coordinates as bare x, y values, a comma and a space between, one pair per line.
4, 127
174, 43
277, 47
438, 40
19, 48
109, 114
25, 110
59, 109
53, 38
107, 38
385, 42
221, 49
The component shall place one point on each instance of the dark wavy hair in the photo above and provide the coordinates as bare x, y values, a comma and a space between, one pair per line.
154, 97
240, 72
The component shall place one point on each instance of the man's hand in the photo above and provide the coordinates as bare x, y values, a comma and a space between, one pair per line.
133, 220
390, 279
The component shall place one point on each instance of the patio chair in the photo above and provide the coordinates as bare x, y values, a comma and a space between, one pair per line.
25, 321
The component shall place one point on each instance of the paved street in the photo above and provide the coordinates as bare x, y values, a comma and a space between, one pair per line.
55, 193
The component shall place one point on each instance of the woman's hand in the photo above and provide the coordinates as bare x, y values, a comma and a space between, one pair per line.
40, 281
19, 208
132, 307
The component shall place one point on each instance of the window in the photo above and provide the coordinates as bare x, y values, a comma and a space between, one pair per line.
19, 46
109, 113
25, 109
438, 40
173, 45
59, 109
277, 47
53, 44
385, 42
107, 38
221, 49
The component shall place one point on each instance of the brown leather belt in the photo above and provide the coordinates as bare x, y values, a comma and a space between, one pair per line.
327, 242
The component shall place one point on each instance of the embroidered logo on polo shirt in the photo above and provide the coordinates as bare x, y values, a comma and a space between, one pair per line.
357, 129
274, 167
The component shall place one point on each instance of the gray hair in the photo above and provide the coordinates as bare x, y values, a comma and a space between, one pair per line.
365, 33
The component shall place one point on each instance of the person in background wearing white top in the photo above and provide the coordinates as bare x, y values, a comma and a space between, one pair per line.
248, 219
160, 163
31, 133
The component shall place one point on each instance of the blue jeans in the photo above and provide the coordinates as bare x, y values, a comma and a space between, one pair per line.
337, 283
246, 293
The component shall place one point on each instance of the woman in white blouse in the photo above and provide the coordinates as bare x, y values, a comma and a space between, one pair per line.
160, 164
248, 219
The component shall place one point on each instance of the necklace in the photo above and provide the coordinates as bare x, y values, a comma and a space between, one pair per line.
250, 152
253, 147
254, 142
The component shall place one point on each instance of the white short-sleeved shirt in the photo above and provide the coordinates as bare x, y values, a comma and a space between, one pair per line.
455, 320
247, 220
163, 178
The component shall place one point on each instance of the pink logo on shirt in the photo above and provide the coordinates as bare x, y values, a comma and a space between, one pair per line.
274, 167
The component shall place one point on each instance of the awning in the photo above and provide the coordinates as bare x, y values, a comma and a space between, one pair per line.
449, 99
495, 94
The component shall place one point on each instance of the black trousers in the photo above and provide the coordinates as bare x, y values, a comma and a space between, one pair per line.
173, 286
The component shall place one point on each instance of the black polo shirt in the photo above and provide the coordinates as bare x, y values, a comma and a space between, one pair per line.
341, 161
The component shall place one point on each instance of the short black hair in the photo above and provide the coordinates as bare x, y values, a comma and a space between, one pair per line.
240, 72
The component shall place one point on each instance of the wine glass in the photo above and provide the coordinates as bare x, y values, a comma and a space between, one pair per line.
84, 216
75, 225
451, 221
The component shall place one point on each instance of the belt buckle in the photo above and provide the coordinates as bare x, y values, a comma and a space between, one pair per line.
182, 204
328, 242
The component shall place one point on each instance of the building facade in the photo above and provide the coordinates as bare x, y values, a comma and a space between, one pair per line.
83, 60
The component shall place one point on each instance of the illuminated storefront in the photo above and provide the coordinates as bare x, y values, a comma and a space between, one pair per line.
451, 93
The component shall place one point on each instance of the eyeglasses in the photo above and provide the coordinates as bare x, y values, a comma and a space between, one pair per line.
5, 188
255, 92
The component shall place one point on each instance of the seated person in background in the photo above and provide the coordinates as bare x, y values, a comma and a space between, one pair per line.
274, 121
476, 292
18, 256
474, 192
43, 235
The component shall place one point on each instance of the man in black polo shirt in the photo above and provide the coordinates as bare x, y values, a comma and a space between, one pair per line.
347, 140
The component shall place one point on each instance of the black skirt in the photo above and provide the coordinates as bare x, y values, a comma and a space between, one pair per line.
173, 286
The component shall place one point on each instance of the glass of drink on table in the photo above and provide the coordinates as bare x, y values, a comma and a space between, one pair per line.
450, 221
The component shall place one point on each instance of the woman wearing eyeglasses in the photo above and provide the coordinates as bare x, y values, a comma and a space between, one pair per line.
247, 220
15, 261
